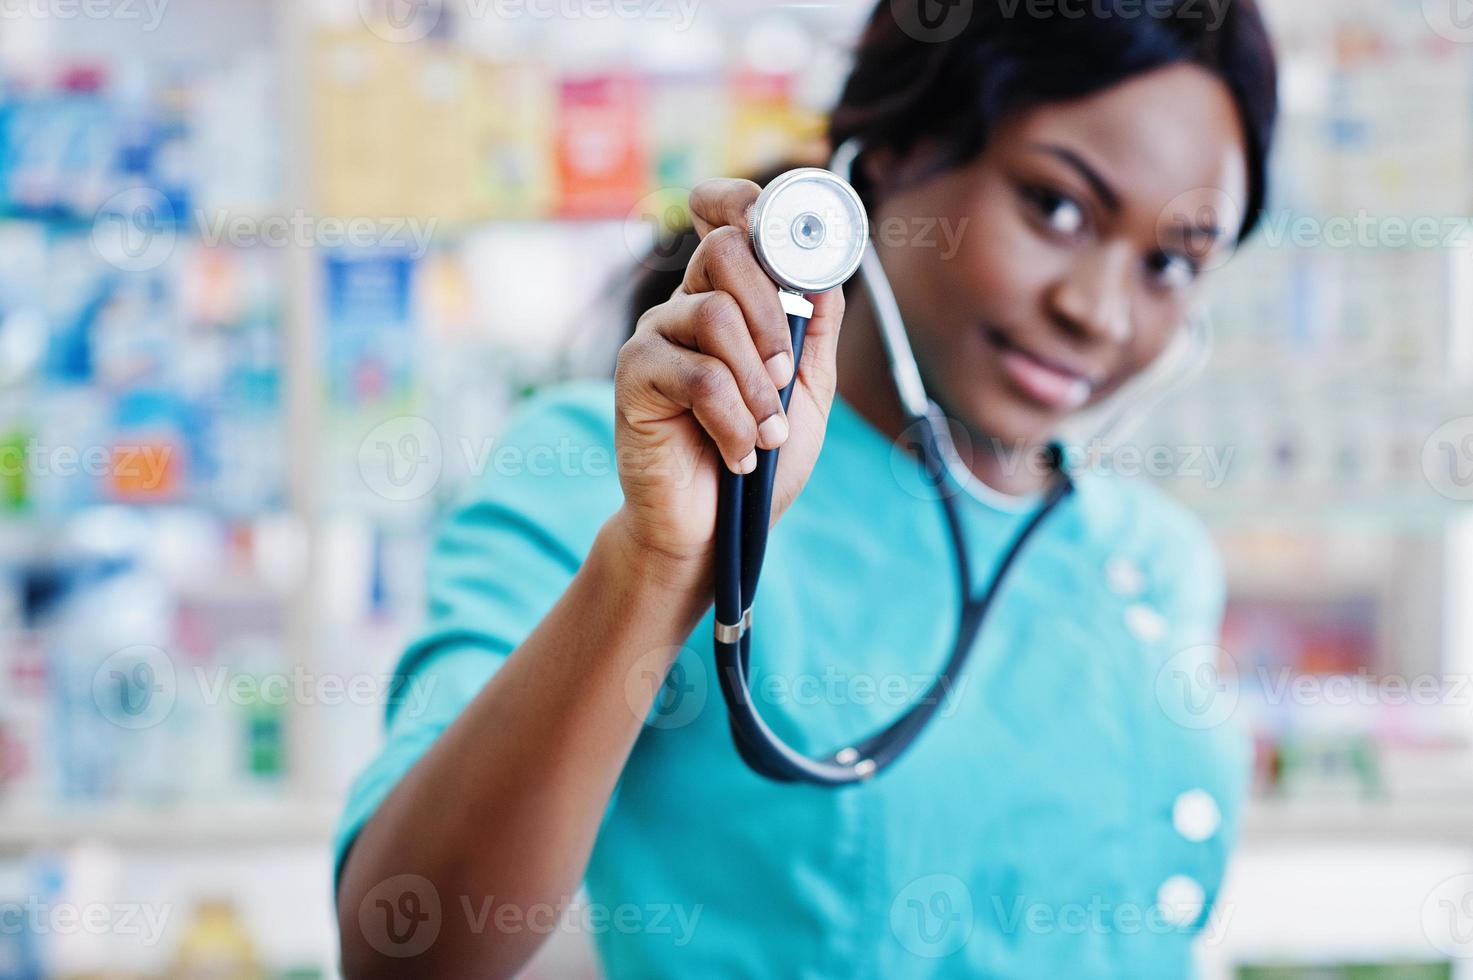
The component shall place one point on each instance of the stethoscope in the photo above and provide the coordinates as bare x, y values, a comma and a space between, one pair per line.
810, 234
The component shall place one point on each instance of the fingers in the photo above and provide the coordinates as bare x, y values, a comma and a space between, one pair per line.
700, 383
720, 347
724, 262
723, 201
712, 323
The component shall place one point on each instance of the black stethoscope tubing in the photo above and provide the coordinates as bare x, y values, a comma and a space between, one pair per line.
744, 508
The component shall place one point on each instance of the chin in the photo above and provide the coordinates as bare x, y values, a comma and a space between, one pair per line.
995, 413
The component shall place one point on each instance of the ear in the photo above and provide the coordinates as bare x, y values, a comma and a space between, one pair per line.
886, 170
879, 166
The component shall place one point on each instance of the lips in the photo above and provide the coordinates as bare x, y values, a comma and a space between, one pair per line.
1048, 382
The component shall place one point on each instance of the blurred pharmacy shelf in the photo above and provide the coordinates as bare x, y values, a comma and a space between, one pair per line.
232, 825
223, 825
1279, 822
288, 383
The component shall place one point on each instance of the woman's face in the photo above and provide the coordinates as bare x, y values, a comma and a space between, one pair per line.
1084, 229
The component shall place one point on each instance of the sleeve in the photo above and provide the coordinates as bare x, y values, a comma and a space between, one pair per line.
499, 562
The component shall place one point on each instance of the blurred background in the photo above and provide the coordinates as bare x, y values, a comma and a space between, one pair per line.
272, 273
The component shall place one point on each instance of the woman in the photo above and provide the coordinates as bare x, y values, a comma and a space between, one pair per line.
1065, 815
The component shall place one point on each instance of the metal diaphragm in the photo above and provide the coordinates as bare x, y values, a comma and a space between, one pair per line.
809, 230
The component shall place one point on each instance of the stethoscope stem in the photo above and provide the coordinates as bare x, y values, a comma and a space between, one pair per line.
743, 518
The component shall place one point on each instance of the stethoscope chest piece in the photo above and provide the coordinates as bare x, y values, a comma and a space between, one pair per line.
808, 229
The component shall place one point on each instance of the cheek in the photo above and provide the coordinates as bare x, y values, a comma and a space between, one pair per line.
1150, 342
1000, 268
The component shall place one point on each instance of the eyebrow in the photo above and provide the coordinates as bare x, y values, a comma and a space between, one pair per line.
1107, 194
1091, 176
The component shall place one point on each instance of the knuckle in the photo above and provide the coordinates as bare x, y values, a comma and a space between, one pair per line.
708, 381
624, 359
738, 431
726, 248
647, 320
717, 314
625, 383
705, 192
763, 393
632, 352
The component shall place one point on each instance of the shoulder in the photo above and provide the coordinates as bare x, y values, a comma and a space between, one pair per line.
582, 409
558, 440
551, 474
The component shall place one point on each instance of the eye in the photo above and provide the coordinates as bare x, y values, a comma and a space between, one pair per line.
1170, 270
1062, 214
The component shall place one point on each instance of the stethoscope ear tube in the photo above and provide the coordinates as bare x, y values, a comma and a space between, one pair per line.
763, 750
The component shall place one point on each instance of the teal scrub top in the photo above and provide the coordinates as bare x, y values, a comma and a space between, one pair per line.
1069, 813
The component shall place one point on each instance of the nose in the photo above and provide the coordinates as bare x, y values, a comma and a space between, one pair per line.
1092, 296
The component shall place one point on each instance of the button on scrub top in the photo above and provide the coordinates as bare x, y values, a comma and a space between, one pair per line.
1068, 813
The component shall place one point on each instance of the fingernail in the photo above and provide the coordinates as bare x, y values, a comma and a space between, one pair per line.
774, 431
780, 369
748, 463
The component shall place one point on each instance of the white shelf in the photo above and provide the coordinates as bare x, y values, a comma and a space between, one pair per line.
1265, 822
185, 826
1358, 821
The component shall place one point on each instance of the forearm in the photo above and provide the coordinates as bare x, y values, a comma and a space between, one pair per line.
508, 800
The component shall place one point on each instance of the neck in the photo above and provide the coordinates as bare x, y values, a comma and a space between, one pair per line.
865, 383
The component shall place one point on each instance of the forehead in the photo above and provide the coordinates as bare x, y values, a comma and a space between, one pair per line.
1152, 138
